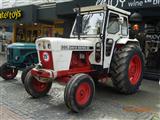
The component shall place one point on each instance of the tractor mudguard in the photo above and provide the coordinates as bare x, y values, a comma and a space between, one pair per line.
126, 40
28, 54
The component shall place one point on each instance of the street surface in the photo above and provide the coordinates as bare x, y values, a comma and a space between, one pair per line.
16, 104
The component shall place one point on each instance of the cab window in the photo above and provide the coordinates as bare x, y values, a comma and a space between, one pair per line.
124, 27
113, 24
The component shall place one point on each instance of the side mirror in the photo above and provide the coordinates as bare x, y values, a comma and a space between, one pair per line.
121, 20
101, 36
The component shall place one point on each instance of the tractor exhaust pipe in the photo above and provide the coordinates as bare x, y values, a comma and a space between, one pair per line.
79, 22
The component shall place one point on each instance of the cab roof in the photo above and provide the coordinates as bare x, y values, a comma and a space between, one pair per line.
103, 7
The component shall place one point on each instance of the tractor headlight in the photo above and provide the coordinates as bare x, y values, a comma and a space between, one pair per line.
7, 51
49, 46
17, 58
39, 45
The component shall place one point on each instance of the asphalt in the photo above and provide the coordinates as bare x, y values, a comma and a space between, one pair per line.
108, 104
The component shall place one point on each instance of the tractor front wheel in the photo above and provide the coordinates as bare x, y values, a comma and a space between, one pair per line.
79, 92
127, 68
36, 88
25, 71
7, 72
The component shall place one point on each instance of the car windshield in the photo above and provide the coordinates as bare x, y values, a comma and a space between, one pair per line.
91, 24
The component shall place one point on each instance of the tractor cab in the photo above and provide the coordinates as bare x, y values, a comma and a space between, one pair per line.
93, 21
105, 26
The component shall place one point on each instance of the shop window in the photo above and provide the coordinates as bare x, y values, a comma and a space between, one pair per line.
29, 33
6, 33
5, 37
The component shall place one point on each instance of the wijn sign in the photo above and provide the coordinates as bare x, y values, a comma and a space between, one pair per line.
132, 3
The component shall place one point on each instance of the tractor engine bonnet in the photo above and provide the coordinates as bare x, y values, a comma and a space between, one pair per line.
62, 44
22, 45
56, 53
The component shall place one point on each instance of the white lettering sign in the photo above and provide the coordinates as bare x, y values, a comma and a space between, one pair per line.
135, 3
118, 2
100, 2
132, 3
153, 37
156, 2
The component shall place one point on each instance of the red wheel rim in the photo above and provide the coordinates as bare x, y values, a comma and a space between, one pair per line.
39, 86
83, 93
10, 73
135, 69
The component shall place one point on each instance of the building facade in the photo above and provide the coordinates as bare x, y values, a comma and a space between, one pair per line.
27, 20
14, 3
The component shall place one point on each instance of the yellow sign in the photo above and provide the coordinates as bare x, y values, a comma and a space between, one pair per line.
10, 14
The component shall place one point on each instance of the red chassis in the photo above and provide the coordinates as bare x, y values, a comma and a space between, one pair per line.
82, 66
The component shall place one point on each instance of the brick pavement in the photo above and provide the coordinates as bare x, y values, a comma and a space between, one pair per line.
16, 104
7, 114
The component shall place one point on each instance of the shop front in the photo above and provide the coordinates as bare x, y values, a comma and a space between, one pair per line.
27, 23
13, 17
146, 16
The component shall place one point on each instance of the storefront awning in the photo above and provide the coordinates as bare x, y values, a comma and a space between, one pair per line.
20, 15
65, 8
46, 13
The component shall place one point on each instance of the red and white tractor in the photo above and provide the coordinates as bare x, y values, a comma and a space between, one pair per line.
99, 47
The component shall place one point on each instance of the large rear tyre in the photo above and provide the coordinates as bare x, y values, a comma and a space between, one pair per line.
25, 71
127, 68
36, 88
79, 92
7, 72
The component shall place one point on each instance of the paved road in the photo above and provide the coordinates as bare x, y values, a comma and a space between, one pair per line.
16, 104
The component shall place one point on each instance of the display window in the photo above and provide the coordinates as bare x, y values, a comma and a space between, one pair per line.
29, 33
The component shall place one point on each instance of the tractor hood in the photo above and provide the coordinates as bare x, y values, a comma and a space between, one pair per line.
60, 44
22, 45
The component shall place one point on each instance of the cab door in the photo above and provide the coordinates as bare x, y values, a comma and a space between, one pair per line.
112, 34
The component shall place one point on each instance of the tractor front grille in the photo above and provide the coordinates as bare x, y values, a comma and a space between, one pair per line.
46, 59
10, 54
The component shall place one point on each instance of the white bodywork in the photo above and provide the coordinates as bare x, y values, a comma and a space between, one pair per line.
126, 40
62, 50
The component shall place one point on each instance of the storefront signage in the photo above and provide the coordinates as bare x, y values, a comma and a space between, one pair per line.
12, 15
153, 37
133, 3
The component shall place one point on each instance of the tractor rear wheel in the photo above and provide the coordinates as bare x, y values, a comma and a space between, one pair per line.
25, 71
36, 88
127, 68
79, 92
7, 72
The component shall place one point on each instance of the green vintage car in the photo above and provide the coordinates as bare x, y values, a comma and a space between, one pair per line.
20, 56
